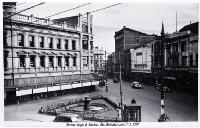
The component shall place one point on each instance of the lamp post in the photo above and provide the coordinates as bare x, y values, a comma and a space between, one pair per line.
120, 86
163, 117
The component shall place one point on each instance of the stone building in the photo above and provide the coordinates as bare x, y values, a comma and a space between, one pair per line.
99, 59
41, 54
179, 56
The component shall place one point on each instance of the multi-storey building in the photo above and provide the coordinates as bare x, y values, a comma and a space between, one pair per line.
141, 62
40, 54
99, 59
127, 39
179, 57
111, 65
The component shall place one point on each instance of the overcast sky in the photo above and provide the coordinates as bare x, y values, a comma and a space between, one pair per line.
144, 17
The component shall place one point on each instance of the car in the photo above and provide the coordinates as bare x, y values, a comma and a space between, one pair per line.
102, 83
136, 84
115, 80
67, 117
166, 89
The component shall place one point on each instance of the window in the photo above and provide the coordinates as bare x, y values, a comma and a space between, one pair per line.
85, 61
50, 61
74, 61
67, 61
59, 61
32, 61
73, 45
184, 61
5, 59
183, 46
85, 44
5, 38
22, 61
31, 41
59, 43
20, 39
42, 61
41, 42
66, 44
50, 42
84, 28
191, 60
91, 45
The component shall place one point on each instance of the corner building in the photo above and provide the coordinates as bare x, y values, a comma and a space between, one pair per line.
41, 54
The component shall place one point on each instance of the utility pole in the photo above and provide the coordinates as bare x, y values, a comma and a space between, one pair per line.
120, 79
163, 117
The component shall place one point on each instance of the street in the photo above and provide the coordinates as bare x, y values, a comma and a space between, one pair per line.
179, 106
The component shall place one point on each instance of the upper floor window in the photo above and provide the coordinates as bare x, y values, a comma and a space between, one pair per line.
84, 28
31, 41
59, 43
74, 61
91, 45
22, 61
20, 39
67, 61
32, 61
5, 38
73, 45
66, 44
59, 61
50, 42
85, 61
183, 46
41, 42
85, 44
42, 61
50, 61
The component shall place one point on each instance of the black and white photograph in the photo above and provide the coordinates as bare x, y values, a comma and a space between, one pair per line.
116, 63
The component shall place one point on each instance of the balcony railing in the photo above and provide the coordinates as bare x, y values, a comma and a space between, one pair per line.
41, 69
43, 21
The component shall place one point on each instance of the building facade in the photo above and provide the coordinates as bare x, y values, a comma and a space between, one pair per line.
127, 39
99, 59
42, 53
179, 56
111, 62
141, 63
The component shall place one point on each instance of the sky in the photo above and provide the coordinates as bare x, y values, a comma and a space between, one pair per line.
144, 17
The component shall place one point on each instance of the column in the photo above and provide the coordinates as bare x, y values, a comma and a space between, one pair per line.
36, 41
46, 61
62, 43
187, 51
26, 42
77, 45
70, 62
27, 61
89, 59
54, 43
45, 42
70, 44
78, 62
80, 47
14, 38
37, 61
54, 61
63, 61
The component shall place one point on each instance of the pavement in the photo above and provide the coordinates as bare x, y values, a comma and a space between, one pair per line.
179, 106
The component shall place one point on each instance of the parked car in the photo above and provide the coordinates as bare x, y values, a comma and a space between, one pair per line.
166, 89
136, 84
102, 83
115, 80
67, 117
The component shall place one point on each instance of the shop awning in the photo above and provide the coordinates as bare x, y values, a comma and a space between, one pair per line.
39, 90
23, 92
87, 84
67, 86
53, 88
78, 85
